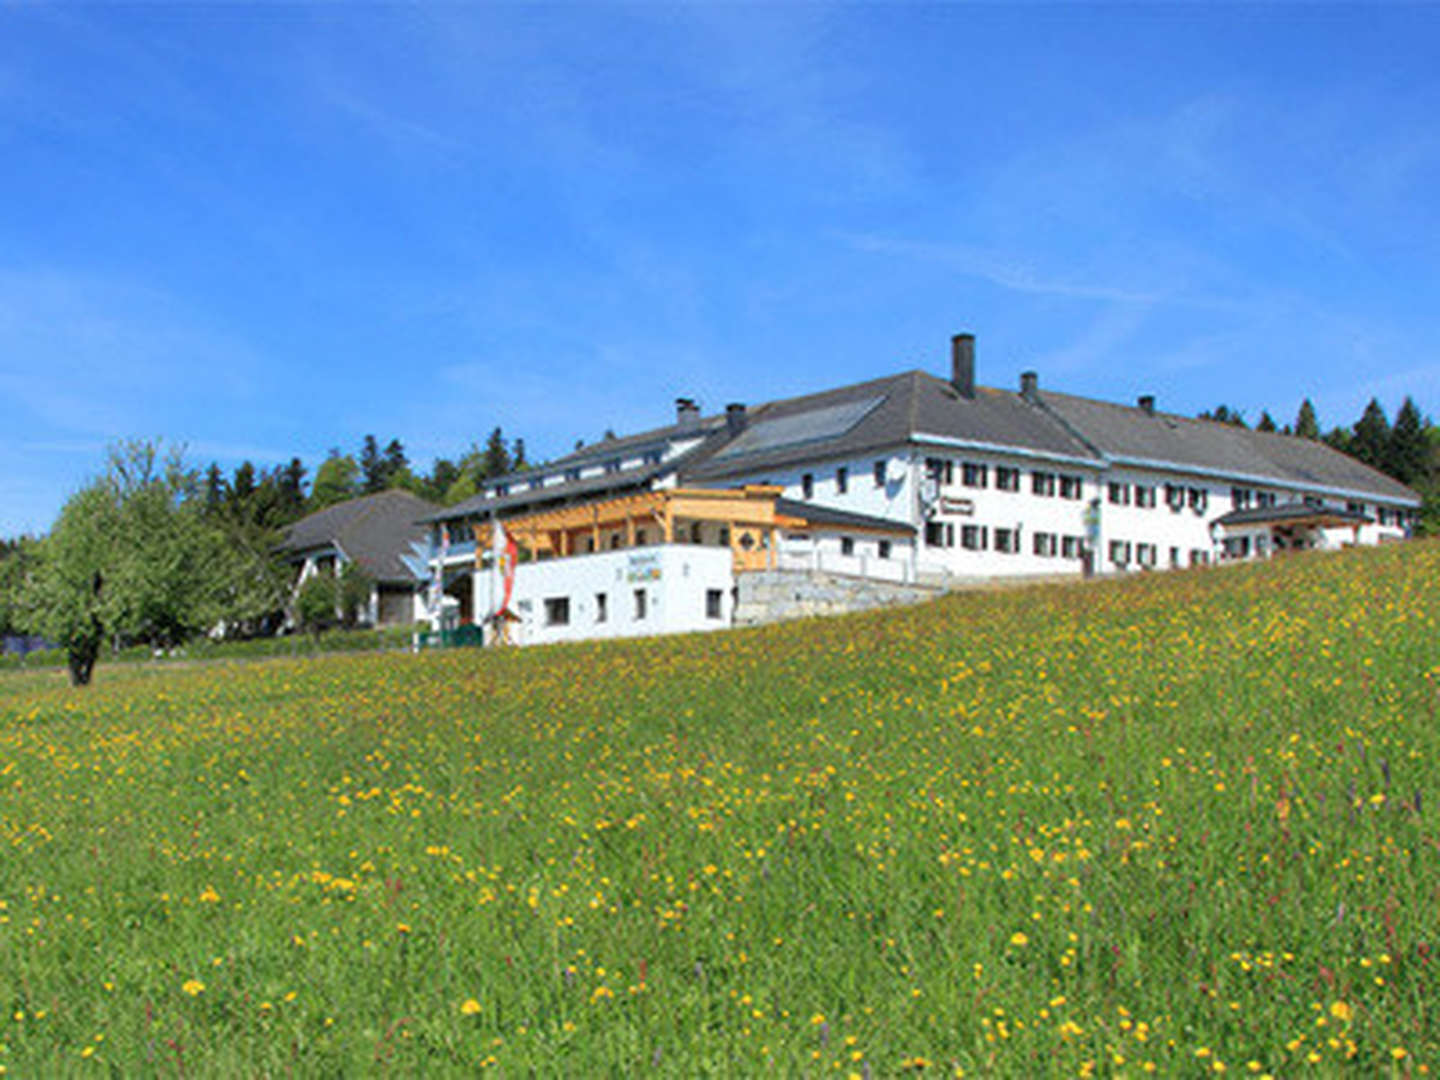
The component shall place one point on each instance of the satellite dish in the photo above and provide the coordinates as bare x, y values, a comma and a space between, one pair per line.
929, 494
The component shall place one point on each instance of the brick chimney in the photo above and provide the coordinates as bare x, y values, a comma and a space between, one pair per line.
1029, 385
1146, 403
962, 364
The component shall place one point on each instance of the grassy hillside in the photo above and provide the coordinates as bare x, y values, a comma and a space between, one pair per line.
1184, 823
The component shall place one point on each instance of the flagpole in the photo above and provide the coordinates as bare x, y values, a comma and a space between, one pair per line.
494, 570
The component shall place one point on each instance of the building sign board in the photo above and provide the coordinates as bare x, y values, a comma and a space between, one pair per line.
643, 566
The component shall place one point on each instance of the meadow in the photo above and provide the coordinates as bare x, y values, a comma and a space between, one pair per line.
1184, 824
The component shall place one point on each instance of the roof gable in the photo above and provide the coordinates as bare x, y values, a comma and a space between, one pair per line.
374, 531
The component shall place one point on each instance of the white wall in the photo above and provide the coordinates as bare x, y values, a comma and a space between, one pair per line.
1183, 532
825, 551
674, 577
991, 508
893, 499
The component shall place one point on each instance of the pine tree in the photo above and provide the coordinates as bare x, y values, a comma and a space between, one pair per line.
1266, 421
372, 466
396, 463
1371, 440
517, 461
290, 485
1223, 414
215, 489
1409, 450
242, 491
1307, 424
496, 459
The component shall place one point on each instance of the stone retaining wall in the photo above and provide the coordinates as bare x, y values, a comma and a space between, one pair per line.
772, 595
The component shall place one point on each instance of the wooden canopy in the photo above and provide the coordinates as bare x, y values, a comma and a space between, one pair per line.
748, 514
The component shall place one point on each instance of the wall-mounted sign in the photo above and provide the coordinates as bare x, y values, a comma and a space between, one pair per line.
643, 566
950, 505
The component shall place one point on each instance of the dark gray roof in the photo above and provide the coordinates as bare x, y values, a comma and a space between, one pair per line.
481, 506
915, 407
885, 413
825, 515
373, 531
1265, 515
1127, 434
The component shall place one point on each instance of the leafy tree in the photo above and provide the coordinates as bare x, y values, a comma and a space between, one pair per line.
336, 480
464, 487
354, 593
1370, 441
1408, 455
1307, 425
1266, 421
315, 602
65, 596
133, 555
17, 560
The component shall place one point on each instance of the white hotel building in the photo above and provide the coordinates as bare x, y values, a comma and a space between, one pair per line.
910, 480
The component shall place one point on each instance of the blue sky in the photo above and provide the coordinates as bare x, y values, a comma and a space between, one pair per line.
265, 230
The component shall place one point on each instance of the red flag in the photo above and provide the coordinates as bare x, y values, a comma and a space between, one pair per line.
512, 556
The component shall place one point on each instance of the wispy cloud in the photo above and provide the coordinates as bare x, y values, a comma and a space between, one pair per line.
998, 268
87, 356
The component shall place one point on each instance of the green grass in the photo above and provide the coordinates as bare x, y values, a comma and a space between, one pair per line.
1180, 822
205, 649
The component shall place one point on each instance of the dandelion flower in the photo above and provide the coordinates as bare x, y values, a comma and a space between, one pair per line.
470, 1007
193, 987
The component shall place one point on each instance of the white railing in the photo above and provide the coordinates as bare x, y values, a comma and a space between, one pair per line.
868, 566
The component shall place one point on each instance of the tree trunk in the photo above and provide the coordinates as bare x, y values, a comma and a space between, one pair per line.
81, 652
